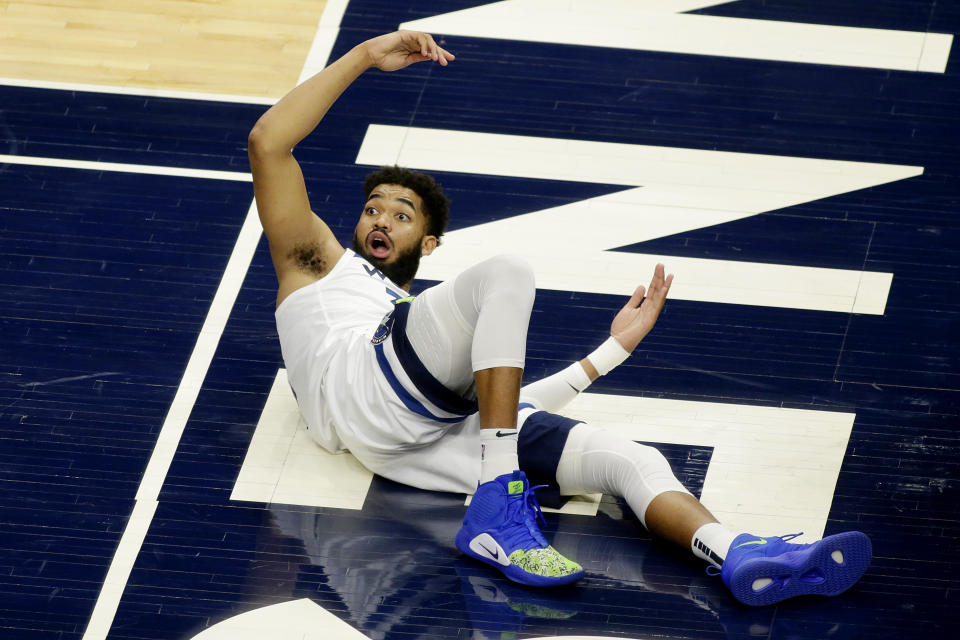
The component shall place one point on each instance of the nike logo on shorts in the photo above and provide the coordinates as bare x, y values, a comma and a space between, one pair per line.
501, 434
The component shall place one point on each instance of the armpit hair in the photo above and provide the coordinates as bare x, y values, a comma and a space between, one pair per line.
306, 255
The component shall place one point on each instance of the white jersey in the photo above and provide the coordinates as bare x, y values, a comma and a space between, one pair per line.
353, 391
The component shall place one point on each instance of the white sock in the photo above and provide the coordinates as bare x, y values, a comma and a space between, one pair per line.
711, 542
498, 453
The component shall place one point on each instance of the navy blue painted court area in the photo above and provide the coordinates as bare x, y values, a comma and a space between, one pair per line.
106, 278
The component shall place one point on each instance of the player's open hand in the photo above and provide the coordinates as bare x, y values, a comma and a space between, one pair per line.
400, 49
635, 320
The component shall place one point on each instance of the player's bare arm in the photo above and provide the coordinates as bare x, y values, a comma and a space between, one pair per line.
637, 317
302, 246
629, 327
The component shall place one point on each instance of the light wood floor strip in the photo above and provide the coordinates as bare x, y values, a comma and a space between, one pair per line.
240, 47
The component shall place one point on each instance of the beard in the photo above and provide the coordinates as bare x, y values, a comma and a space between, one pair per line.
401, 271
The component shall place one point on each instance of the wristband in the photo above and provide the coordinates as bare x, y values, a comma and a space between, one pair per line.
608, 355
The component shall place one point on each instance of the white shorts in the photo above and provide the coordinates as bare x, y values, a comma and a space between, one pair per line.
402, 423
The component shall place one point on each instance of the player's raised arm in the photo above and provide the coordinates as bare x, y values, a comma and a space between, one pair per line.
278, 182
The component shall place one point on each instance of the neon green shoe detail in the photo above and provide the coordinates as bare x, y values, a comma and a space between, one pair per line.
500, 528
743, 544
546, 562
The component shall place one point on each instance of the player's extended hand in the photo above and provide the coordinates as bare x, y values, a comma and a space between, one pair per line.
635, 320
400, 49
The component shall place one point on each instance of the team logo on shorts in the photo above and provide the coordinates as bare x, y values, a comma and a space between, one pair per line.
383, 331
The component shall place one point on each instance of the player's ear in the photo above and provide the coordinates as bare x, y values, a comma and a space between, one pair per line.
427, 245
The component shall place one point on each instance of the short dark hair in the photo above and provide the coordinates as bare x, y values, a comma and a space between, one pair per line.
436, 205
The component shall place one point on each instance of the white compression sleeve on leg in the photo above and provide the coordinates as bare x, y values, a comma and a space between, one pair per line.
555, 392
442, 337
499, 293
477, 320
596, 460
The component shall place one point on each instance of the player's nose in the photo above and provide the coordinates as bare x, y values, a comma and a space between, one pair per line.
382, 221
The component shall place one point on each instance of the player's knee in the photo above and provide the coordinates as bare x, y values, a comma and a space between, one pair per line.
624, 463
512, 266
512, 274
655, 469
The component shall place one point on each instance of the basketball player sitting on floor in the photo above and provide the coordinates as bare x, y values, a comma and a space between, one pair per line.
426, 391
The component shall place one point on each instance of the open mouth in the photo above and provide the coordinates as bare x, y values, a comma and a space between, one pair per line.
378, 244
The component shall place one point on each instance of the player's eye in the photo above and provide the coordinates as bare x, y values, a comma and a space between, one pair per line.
404, 217
371, 211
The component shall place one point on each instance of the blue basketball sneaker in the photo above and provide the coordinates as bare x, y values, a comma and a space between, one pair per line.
500, 528
761, 571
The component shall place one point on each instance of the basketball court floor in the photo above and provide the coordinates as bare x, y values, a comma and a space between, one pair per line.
793, 162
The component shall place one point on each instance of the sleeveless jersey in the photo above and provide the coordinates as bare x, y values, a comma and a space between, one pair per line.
352, 401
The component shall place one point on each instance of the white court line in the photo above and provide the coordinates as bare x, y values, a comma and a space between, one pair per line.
135, 91
154, 170
145, 506
677, 190
301, 619
134, 533
662, 25
200, 359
